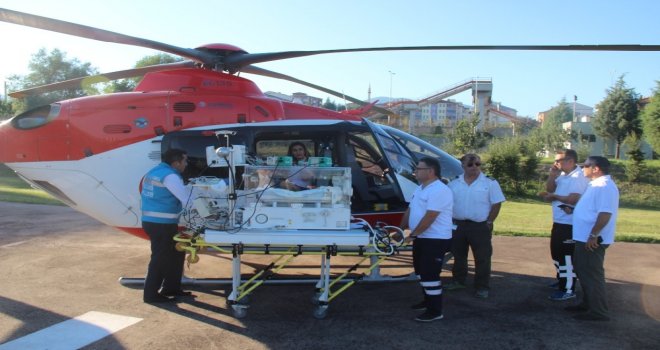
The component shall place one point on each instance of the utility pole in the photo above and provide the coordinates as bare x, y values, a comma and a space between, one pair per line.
574, 102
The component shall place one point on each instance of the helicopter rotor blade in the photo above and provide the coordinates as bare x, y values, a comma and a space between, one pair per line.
242, 59
271, 74
77, 82
54, 25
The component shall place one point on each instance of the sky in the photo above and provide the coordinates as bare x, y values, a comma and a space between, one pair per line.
529, 82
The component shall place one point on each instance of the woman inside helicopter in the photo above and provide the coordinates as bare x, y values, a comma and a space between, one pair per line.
298, 179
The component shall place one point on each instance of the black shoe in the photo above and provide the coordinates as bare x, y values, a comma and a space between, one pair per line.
576, 308
158, 299
178, 293
590, 317
429, 316
419, 306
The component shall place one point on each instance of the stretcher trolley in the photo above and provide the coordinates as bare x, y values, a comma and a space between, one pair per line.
361, 241
268, 219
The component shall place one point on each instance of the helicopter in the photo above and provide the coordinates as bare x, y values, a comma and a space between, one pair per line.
92, 152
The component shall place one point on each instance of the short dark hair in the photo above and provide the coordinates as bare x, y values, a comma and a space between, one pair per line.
173, 155
432, 163
600, 162
569, 153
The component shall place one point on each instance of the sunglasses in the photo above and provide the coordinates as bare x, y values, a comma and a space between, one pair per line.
470, 165
559, 160
586, 166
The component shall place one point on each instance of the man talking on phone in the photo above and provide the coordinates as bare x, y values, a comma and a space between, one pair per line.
566, 183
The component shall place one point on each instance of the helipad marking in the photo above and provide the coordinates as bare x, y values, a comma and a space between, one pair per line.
74, 333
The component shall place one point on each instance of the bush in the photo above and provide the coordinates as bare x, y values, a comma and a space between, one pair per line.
512, 163
635, 164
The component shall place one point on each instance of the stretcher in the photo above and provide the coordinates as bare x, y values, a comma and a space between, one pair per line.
362, 241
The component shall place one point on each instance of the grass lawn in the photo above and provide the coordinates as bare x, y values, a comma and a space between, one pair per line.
535, 219
13, 189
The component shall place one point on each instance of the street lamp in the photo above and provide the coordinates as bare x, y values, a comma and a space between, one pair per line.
391, 75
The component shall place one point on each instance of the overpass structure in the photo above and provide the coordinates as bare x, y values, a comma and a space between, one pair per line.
482, 89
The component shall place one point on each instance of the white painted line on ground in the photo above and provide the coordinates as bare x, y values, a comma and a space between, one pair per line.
74, 333
10, 245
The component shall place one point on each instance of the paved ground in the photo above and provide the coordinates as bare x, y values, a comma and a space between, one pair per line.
58, 264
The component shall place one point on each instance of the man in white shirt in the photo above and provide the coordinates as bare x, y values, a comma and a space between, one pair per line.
429, 219
477, 202
564, 186
594, 220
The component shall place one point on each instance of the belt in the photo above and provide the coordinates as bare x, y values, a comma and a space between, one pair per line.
456, 221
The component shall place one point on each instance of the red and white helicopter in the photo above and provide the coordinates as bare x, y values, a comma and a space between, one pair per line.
92, 152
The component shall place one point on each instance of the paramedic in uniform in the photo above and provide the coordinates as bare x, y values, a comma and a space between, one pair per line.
429, 219
564, 186
162, 195
477, 202
594, 222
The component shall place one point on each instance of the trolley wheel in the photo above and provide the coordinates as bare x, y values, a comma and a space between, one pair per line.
180, 246
239, 311
320, 312
193, 259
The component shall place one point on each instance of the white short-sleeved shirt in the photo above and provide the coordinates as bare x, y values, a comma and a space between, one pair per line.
436, 196
601, 196
473, 202
573, 182
174, 184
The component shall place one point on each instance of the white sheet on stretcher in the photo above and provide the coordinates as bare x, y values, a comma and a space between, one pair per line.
354, 237
324, 194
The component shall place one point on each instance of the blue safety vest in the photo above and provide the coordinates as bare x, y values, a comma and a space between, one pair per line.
159, 205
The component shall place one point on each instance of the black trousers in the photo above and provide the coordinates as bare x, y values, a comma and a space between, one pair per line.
562, 247
166, 264
475, 235
428, 255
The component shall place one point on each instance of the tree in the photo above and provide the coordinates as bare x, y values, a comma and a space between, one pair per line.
466, 138
551, 135
5, 110
617, 116
561, 113
635, 165
330, 104
47, 68
651, 120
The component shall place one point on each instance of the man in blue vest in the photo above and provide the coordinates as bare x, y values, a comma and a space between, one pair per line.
162, 195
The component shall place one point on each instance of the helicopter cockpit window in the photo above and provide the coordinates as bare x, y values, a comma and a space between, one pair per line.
419, 148
37, 117
373, 184
368, 157
400, 161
